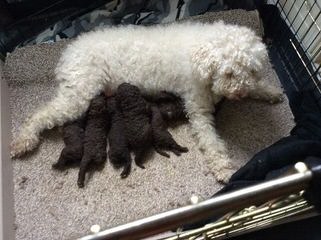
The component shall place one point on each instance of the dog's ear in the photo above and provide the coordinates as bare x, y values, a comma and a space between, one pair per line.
254, 57
204, 61
225, 59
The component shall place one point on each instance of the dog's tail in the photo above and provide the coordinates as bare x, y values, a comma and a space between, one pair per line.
68, 104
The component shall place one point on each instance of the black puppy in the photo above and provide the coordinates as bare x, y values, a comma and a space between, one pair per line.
162, 138
171, 108
170, 105
95, 140
166, 108
136, 115
73, 136
138, 119
118, 152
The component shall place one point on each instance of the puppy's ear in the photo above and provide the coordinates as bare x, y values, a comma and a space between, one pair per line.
204, 61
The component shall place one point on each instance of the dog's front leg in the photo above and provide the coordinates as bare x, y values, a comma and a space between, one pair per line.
267, 92
200, 113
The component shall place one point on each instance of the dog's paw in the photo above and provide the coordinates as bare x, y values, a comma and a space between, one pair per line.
220, 167
223, 175
276, 98
21, 146
274, 95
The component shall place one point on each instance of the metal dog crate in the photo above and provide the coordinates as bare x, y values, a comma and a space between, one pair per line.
249, 209
294, 29
292, 32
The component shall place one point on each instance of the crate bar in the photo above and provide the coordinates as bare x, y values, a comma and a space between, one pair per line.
219, 205
312, 75
306, 33
304, 19
294, 19
300, 40
281, 11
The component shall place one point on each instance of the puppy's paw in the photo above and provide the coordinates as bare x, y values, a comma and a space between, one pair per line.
81, 182
57, 166
125, 172
21, 146
161, 152
124, 175
140, 165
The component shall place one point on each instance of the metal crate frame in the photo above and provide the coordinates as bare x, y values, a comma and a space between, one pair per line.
295, 69
297, 72
242, 211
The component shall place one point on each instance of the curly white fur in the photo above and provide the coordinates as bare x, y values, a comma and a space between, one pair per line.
200, 62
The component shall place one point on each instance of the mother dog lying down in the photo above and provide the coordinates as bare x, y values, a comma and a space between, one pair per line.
200, 62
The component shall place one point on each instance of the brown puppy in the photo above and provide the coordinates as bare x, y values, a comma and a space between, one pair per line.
162, 138
170, 105
118, 152
73, 136
136, 115
138, 118
171, 108
95, 140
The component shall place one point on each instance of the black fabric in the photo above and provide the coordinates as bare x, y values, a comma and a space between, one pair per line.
304, 141
303, 144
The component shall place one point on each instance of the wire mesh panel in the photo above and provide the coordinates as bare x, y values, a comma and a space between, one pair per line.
295, 30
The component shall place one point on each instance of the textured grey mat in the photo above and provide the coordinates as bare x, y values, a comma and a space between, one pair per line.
49, 205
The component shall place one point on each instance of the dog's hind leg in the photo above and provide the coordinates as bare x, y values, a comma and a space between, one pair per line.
84, 164
70, 102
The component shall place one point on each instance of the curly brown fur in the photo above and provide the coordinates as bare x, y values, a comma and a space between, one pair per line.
118, 152
73, 135
162, 139
136, 116
95, 140
144, 126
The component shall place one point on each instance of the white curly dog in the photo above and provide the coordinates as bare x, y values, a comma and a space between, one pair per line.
200, 62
